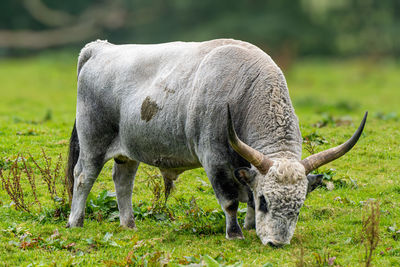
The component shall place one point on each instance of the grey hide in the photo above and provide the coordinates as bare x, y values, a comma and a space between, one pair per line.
166, 105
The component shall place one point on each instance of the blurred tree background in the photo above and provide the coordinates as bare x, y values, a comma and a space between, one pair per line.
285, 29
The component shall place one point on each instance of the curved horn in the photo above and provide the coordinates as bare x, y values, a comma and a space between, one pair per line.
314, 161
256, 158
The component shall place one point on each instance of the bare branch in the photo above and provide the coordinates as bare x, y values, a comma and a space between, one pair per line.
48, 38
87, 26
47, 16
110, 15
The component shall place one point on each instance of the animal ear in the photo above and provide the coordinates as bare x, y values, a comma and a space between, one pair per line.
314, 180
245, 174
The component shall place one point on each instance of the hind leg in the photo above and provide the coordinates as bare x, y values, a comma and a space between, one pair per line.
124, 176
96, 128
85, 173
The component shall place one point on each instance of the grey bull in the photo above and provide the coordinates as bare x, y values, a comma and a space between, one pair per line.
167, 105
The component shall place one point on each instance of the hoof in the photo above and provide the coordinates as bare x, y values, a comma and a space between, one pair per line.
130, 225
249, 226
69, 225
234, 232
127, 222
77, 223
233, 236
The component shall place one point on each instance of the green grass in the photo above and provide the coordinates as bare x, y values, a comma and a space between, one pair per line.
45, 86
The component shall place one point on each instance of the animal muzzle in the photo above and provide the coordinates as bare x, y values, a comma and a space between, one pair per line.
278, 234
276, 243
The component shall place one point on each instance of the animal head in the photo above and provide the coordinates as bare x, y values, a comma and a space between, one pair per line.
280, 186
278, 195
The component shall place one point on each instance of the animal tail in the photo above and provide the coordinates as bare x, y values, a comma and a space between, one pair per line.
73, 156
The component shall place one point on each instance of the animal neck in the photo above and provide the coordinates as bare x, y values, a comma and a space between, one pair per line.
270, 124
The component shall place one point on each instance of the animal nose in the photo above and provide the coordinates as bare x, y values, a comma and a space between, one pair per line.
275, 244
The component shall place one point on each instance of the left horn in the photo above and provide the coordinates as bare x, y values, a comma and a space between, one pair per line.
314, 161
256, 158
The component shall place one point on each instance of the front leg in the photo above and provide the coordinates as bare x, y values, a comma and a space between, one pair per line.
226, 191
233, 230
250, 220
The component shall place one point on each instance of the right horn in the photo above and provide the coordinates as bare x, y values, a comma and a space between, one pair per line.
256, 158
314, 161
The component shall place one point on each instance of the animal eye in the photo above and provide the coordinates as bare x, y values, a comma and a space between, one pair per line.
263, 204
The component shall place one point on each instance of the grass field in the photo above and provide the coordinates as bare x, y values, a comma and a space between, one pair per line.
330, 97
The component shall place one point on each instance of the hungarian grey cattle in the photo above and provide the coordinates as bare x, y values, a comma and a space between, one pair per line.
183, 105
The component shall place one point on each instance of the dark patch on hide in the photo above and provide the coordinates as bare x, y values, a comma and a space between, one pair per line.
149, 109
169, 91
263, 205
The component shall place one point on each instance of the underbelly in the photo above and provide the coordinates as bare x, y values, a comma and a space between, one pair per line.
159, 150
168, 162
